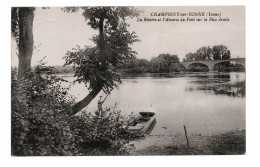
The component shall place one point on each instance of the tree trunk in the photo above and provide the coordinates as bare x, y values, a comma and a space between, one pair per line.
84, 102
25, 45
101, 40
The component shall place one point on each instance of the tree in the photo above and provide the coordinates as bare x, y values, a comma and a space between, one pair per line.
218, 51
158, 64
203, 53
21, 28
169, 58
226, 55
208, 53
189, 56
143, 63
94, 65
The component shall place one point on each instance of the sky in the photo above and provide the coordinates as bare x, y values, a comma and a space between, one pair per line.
55, 32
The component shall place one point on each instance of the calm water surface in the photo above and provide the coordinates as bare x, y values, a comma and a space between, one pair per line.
178, 101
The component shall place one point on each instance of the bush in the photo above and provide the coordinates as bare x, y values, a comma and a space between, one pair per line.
41, 124
104, 133
39, 121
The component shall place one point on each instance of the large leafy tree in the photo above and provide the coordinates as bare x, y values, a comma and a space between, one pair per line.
143, 63
22, 32
189, 57
226, 55
159, 64
169, 58
208, 52
95, 66
218, 51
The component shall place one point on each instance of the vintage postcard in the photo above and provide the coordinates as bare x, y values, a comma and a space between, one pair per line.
128, 80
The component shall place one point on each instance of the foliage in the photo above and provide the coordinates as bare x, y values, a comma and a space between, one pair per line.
143, 63
161, 63
189, 57
226, 55
60, 69
135, 65
218, 52
41, 124
104, 131
158, 65
38, 121
129, 63
95, 65
89, 70
169, 58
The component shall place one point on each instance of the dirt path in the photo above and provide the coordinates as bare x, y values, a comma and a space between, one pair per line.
228, 143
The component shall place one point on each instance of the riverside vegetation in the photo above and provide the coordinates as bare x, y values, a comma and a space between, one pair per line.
45, 119
41, 124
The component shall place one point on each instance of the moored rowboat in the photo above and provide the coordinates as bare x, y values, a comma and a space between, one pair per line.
141, 122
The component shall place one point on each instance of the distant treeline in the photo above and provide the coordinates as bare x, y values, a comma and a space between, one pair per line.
63, 69
217, 52
57, 69
165, 62
161, 63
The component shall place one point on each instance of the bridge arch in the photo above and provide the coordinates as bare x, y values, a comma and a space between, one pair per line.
214, 67
210, 63
224, 61
200, 66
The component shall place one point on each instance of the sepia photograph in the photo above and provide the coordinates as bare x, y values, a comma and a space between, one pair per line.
128, 80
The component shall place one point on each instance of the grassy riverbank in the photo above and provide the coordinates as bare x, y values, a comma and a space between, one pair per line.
232, 143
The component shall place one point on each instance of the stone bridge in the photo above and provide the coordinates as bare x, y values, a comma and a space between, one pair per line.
211, 63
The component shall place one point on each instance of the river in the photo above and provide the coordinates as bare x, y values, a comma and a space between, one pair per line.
196, 100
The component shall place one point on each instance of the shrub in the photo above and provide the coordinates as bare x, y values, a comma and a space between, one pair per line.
41, 124
39, 121
103, 132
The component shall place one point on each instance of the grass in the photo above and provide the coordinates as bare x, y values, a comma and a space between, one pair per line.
232, 143
228, 144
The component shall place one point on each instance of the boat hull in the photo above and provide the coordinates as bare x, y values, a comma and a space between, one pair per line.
142, 124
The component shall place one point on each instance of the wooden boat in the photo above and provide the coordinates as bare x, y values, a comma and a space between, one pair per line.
140, 123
